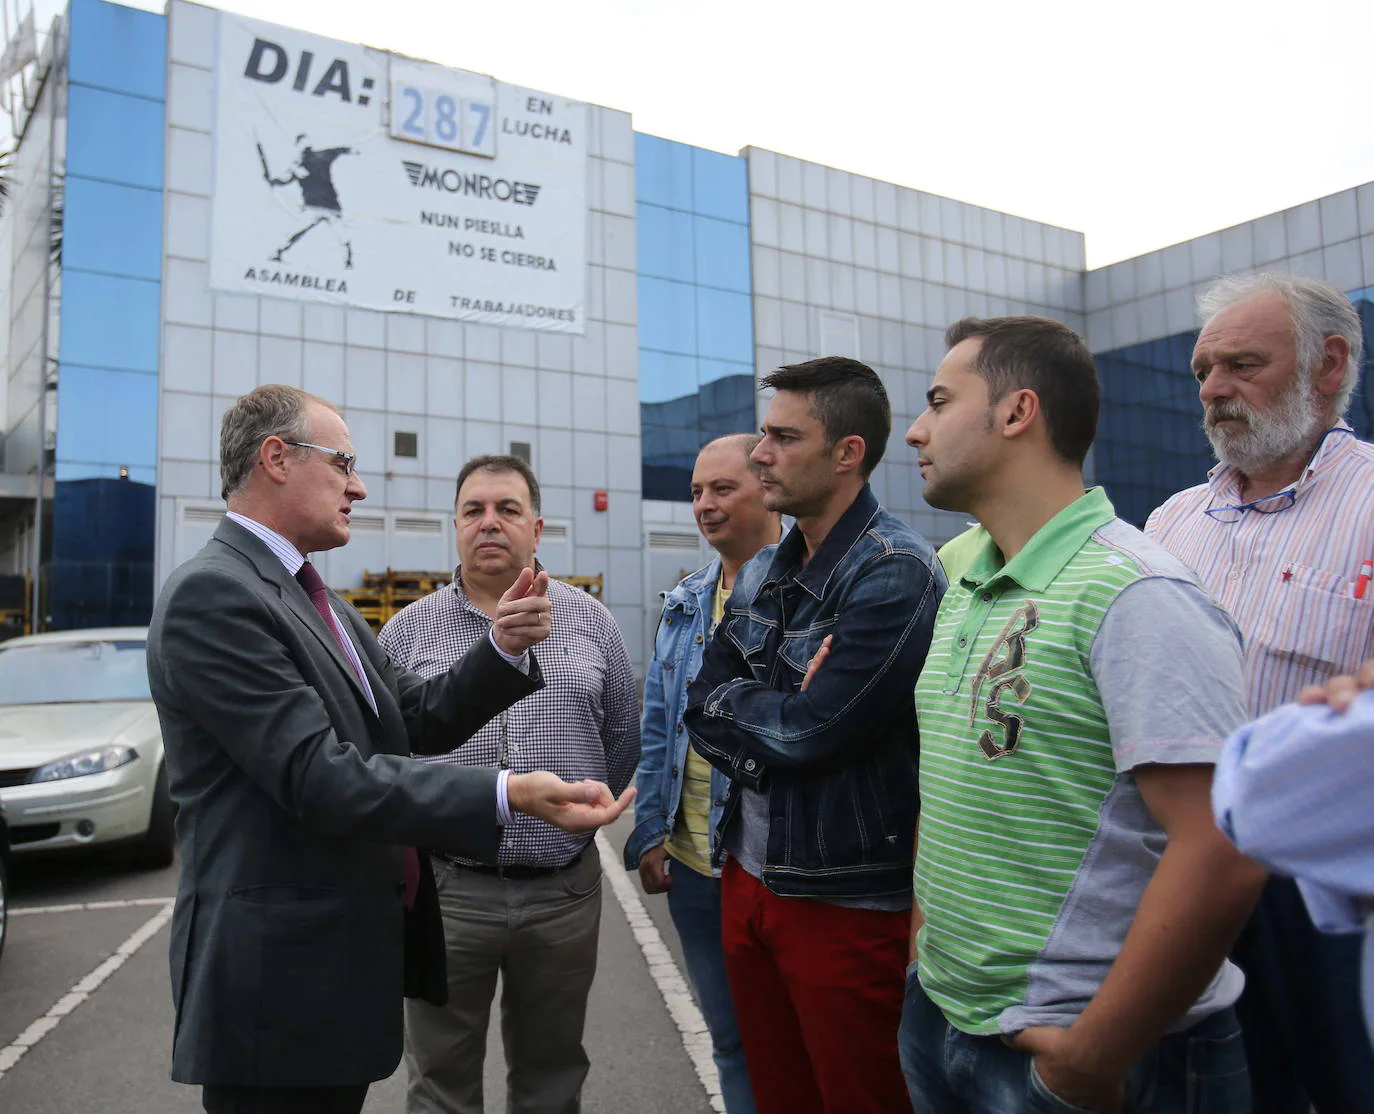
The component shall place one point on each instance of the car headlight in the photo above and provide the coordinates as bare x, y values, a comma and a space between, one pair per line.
96, 761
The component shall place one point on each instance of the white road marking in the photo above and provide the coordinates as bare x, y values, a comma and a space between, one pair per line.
11, 1054
83, 906
677, 996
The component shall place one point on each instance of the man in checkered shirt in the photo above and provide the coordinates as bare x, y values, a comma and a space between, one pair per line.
534, 914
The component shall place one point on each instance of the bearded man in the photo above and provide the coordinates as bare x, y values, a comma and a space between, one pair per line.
1278, 534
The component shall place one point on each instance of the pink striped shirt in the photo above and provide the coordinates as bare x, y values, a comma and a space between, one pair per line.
1287, 578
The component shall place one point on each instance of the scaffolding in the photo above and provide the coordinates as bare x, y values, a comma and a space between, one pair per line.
385, 593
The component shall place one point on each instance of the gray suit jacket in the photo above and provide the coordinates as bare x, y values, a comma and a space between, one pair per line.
287, 948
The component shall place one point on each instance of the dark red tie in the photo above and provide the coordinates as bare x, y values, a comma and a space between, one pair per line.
309, 579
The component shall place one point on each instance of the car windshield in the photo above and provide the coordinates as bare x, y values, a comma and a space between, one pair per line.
74, 672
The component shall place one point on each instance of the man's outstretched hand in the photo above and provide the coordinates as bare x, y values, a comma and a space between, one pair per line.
523, 615
574, 806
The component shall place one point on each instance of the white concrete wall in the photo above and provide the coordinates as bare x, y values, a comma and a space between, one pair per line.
840, 256
464, 389
1154, 295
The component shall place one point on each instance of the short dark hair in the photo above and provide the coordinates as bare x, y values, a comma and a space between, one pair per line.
848, 398
1041, 355
499, 462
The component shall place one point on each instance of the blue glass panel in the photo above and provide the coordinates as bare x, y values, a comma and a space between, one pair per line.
664, 377
101, 573
118, 48
109, 322
663, 172
670, 451
1149, 444
726, 325
720, 185
727, 405
708, 371
722, 254
113, 229
667, 316
79, 470
664, 242
115, 137
1361, 413
107, 417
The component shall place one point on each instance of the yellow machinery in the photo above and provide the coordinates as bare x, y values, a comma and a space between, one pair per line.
385, 593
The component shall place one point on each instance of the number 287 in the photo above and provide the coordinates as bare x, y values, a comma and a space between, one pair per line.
442, 120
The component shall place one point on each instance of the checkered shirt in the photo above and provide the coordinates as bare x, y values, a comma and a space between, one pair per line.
584, 722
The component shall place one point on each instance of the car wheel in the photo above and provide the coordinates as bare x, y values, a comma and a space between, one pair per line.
159, 843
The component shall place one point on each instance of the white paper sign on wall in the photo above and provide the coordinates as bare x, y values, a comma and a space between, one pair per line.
360, 178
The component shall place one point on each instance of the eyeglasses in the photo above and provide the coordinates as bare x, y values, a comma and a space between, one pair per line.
1270, 504
348, 461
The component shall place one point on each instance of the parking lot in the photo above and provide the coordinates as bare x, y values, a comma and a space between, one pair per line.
86, 1019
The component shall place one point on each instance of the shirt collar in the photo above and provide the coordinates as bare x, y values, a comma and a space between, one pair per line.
1049, 549
1224, 480
283, 550
815, 574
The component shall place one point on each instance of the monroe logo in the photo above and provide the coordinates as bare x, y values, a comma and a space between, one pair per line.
471, 185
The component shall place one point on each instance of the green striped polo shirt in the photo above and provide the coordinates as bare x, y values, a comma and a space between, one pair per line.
1049, 679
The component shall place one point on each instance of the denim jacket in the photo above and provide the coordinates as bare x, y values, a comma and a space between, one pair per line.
837, 761
678, 646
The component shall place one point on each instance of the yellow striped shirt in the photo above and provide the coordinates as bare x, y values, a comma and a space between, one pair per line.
691, 841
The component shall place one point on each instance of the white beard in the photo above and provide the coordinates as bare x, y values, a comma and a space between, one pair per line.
1294, 421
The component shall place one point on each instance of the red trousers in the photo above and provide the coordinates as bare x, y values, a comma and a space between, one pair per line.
818, 993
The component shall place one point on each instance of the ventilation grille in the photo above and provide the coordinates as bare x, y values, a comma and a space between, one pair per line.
201, 514
368, 522
672, 539
418, 525
555, 532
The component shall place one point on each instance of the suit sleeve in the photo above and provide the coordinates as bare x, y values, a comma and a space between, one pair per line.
234, 679
455, 704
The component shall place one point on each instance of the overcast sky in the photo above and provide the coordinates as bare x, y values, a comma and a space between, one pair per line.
1139, 124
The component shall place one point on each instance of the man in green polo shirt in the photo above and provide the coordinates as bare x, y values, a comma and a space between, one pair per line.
1074, 902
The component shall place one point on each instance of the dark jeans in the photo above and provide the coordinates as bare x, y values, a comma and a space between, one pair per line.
694, 903
283, 1100
1305, 1036
1198, 1071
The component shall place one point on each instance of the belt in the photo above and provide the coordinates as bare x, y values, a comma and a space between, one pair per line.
516, 872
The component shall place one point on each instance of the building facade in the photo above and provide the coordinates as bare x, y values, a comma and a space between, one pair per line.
694, 272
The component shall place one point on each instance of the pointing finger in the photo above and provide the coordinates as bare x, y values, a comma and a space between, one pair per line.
521, 587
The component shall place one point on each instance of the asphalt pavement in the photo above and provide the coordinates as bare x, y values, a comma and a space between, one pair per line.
86, 1018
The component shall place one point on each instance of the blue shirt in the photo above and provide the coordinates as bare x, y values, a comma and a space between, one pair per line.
1294, 790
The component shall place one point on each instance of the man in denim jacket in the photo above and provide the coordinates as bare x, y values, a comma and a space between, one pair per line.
680, 795
818, 825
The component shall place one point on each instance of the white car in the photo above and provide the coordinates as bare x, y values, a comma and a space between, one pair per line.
80, 748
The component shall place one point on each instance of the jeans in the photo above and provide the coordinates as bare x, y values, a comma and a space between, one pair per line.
1301, 1014
694, 904
1198, 1071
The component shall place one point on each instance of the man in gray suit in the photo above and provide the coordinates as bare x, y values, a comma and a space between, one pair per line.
301, 918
